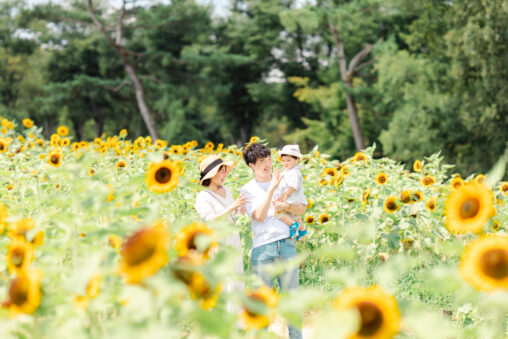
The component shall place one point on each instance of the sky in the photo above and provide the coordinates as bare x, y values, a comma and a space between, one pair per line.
220, 7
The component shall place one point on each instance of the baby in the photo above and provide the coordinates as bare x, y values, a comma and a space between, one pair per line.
290, 190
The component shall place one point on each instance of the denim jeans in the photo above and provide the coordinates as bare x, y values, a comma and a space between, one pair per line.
270, 253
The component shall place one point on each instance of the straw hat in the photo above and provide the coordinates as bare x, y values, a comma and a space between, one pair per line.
210, 165
291, 150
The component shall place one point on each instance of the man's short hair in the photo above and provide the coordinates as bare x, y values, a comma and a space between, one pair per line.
255, 152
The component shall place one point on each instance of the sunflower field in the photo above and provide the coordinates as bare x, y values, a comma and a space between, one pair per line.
101, 240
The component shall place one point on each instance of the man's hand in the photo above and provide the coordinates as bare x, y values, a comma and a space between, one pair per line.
280, 206
276, 179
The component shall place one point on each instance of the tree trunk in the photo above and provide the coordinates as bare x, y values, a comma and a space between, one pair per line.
353, 118
98, 118
129, 68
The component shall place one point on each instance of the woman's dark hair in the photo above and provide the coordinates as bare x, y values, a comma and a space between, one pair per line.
207, 182
255, 152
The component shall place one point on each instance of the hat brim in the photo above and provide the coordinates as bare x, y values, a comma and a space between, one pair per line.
298, 155
229, 167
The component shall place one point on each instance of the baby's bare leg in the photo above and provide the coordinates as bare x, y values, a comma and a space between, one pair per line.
286, 219
300, 221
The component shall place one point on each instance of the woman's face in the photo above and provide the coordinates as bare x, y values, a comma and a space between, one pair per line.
218, 179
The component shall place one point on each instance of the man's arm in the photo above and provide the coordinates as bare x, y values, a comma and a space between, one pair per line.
260, 212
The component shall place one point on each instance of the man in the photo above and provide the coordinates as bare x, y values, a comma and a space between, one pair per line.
271, 240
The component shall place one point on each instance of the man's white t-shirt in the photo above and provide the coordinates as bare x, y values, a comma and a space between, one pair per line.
269, 230
291, 178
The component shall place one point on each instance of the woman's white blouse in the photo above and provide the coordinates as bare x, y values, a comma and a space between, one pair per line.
209, 205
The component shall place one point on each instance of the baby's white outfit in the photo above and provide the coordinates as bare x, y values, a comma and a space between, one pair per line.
291, 178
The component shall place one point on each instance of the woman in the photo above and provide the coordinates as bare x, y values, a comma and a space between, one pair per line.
216, 201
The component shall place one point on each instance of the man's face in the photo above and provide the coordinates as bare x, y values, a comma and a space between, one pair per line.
262, 166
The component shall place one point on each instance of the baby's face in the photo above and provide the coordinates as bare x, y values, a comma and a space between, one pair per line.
288, 162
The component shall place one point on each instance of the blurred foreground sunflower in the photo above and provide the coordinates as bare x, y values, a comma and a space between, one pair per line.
378, 313
20, 255
468, 208
259, 308
144, 253
24, 295
186, 240
484, 263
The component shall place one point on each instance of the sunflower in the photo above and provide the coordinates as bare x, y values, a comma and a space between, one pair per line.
94, 286
38, 239
495, 225
484, 263
120, 164
417, 166
20, 255
258, 308
123, 133
310, 203
324, 218
24, 294
162, 177
379, 315
3, 146
20, 227
428, 180
322, 182
55, 158
344, 171
504, 187
468, 208
456, 183
416, 196
479, 179
431, 204
366, 195
405, 197
391, 205
200, 289
360, 156
62, 131
28, 123
338, 180
331, 171
114, 241
310, 219
91, 172
381, 178
185, 240
144, 253
3, 217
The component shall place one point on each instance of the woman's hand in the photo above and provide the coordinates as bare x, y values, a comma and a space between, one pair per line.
239, 202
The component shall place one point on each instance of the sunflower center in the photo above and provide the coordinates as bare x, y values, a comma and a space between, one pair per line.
18, 291
17, 257
432, 205
371, 317
2, 147
469, 208
54, 159
139, 247
504, 188
428, 181
391, 205
163, 175
382, 180
405, 197
494, 263
191, 241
